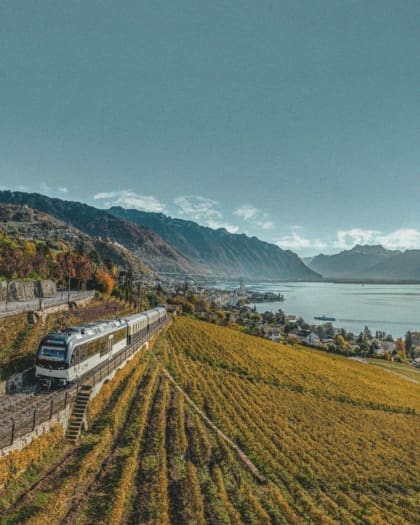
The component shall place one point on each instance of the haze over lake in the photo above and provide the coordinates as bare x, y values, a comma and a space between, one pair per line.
394, 308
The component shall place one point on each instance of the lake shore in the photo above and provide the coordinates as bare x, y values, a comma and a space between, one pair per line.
393, 308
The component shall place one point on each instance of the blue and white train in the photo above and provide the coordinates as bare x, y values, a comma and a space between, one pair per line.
65, 357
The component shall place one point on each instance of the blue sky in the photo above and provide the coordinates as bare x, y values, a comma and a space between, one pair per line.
296, 121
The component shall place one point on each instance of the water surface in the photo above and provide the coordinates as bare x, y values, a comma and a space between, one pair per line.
393, 308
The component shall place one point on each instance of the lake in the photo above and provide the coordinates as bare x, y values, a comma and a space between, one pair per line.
393, 308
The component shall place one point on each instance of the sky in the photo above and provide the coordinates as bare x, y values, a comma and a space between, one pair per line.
295, 121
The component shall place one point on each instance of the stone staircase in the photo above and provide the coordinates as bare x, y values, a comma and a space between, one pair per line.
78, 415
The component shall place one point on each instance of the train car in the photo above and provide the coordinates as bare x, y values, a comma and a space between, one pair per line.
63, 357
156, 317
137, 327
141, 325
162, 313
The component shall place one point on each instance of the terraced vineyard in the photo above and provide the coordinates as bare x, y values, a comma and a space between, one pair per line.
300, 437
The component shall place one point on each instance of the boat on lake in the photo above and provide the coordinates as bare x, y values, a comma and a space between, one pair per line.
324, 318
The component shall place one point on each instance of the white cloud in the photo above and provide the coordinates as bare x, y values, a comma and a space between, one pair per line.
402, 238
52, 191
130, 199
348, 238
15, 188
255, 216
295, 241
105, 195
408, 238
265, 225
246, 212
203, 211
45, 188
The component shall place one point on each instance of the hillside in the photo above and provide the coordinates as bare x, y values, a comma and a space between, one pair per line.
359, 262
404, 265
34, 225
173, 245
316, 439
146, 245
224, 253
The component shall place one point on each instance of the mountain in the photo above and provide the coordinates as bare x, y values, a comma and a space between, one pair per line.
224, 253
401, 266
174, 245
145, 244
307, 260
359, 262
28, 224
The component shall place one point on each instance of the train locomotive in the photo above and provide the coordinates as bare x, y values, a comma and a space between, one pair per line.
65, 357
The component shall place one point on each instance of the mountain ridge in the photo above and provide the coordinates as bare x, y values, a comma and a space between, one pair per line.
203, 252
231, 254
26, 223
369, 262
153, 251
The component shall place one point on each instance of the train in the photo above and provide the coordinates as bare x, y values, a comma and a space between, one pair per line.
65, 357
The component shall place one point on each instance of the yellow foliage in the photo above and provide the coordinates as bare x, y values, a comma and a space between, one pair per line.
332, 435
14, 464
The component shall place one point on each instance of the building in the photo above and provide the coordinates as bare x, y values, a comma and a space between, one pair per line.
306, 336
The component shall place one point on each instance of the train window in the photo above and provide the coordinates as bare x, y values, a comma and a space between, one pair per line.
119, 336
74, 357
52, 353
102, 345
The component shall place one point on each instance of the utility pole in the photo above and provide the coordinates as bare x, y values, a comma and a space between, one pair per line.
139, 296
7, 292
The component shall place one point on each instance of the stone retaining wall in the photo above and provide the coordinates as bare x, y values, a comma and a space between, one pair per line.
21, 290
60, 418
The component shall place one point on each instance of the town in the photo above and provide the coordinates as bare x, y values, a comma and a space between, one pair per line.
233, 309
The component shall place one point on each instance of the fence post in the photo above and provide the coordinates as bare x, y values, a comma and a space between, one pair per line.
12, 437
65, 400
34, 421
51, 408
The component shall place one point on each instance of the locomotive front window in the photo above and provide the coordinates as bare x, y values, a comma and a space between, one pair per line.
52, 353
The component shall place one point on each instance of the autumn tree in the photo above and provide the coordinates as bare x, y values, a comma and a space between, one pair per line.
340, 341
104, 281
83, 270
67, 265
400, 349
40, 266
7, 267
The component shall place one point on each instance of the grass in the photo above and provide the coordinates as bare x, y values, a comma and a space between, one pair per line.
400, 368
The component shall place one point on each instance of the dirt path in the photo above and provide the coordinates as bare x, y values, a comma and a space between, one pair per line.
249, 465
397, 374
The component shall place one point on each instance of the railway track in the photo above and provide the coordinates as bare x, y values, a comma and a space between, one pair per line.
24, 406
22, 412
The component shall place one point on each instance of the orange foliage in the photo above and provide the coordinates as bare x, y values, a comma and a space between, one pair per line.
104, 281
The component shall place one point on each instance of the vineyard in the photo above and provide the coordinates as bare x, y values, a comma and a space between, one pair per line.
214, 426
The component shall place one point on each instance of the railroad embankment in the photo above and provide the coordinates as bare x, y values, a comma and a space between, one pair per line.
25, 413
